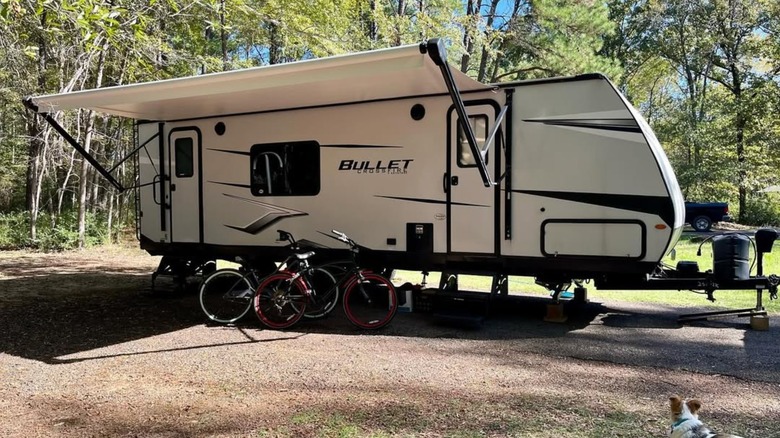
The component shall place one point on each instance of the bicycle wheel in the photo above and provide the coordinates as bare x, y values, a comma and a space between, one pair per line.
325, 294
226, 296
370, 303
279, 301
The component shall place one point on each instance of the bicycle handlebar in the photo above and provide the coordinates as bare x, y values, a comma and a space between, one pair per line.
284, 235
344, 238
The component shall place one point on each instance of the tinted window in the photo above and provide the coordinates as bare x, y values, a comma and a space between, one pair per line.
285, 169
183, 148
479, 124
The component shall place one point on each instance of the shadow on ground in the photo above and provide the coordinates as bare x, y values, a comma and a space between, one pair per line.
45, 317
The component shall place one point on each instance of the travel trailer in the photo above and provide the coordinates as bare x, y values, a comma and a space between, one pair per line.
556, 178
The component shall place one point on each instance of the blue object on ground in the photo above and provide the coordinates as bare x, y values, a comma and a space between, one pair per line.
564, 295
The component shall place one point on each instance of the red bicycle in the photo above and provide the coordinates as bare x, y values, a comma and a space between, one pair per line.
370, 300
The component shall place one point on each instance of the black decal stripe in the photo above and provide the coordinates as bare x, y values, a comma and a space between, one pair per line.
429, 201
230, 152
660, 205
264, 222
245, 186
358, 146
622, 125
275, 213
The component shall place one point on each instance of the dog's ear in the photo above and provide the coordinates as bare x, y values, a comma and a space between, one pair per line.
676, 405
694, 406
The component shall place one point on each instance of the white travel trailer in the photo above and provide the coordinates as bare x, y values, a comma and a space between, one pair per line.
557, 178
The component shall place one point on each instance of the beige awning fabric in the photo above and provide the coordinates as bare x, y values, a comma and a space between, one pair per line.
379, 74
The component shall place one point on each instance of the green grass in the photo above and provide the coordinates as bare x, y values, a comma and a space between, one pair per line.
458, 417
322, 424
686, 249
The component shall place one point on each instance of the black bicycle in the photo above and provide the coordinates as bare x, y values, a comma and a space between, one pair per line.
226, 295
369, 299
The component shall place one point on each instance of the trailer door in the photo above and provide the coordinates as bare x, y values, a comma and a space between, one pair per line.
471, 214
184, 191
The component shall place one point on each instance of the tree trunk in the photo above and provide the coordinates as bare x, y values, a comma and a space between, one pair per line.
740, 123
84, 180
483, 61
400, 14
64, 187
275, 44
373, 34
110, 216
37, 145
472, 14
223, 36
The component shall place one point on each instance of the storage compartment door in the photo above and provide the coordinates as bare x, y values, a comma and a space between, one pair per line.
594, 238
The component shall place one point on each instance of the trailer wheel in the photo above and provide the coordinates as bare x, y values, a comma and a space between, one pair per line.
701, 223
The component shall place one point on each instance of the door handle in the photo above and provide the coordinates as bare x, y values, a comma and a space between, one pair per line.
445, 181
155, 181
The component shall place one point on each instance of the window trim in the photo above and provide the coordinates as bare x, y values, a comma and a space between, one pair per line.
268, 148
179, 173
462, 143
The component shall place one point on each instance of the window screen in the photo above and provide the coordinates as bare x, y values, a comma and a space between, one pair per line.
183, 148
285, 169
479, 124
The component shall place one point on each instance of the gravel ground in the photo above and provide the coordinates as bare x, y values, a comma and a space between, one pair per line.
88, 350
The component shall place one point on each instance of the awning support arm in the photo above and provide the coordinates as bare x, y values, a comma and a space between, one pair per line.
57, 127
496, 125
131, 153
435, 49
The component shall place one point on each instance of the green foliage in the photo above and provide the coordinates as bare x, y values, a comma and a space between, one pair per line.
762, 210
13, 230
52, 236
705, 75
560, 37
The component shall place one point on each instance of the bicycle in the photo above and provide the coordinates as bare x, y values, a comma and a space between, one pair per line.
226, 295
369, 299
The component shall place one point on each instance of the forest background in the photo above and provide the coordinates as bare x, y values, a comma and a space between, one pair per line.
705, 74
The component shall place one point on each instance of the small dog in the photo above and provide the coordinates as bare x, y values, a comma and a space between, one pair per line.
686, 423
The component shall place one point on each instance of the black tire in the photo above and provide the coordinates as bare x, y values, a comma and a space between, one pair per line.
370, 303
326, 294
279, 301
701, 223
226, 296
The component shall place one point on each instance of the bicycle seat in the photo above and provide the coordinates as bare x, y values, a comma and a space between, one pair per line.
304, 256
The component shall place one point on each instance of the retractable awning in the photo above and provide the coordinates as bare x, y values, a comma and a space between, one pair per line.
408, 71
380, 74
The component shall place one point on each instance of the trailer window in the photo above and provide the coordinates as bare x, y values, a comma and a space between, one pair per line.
479, 123
183, 147
285, 169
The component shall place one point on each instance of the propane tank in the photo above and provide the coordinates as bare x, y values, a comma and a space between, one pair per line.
730, 257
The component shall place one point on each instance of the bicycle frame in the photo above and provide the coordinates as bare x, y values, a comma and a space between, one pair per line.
352, 274
284, 297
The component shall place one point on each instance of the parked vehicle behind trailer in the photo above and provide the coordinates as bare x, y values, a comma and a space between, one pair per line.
701, 216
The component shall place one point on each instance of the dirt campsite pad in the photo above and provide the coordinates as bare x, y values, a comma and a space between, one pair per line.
88, 350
